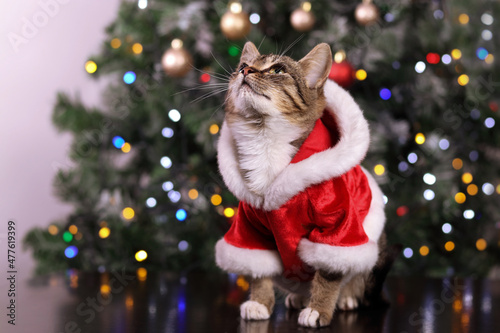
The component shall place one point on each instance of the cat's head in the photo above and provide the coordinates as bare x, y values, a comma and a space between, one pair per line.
273, 85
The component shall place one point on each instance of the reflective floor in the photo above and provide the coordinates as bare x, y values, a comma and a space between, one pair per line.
120, 302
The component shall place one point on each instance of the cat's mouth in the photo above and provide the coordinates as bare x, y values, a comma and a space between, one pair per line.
248, 87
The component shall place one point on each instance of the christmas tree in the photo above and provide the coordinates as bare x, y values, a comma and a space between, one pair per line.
145, 186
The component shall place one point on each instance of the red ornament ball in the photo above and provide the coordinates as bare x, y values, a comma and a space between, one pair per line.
342, 73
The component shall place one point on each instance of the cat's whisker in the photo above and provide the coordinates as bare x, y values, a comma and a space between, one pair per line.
209, 94
224, 68
292, 45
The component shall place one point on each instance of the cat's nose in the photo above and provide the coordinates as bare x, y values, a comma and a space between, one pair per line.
247, 70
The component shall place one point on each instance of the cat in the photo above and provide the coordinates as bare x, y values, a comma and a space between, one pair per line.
310, 219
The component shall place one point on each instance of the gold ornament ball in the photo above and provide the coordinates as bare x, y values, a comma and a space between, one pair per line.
176, 62
302, 20
235, 25
366, 13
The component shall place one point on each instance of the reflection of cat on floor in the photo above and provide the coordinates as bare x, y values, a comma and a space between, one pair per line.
310, 218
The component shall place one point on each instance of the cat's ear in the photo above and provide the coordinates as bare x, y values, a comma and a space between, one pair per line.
316, 65
249, 52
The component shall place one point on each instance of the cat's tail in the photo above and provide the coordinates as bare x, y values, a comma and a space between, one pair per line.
373, 295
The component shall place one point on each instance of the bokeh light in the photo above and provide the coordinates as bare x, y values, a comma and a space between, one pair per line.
141, 255
128, 213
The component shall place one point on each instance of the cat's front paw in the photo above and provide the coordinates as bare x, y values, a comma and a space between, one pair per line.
252, 310
312, 318
295, 301
348, 303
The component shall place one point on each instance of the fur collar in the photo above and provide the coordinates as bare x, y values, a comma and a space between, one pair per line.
354, 139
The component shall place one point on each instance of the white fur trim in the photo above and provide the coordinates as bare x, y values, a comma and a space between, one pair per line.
257, 263
228, 166
375, 219
345, 259
347, 153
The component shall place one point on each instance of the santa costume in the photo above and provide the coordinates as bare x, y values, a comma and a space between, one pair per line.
323, 211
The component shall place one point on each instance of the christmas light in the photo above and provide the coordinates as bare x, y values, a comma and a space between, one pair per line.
488, 188
460, 198
73, 229
78, 235
71, 251
449, 246
463, 18
141, 255
385, 199
129, 77
181, 215
193, 194
489, 122
126, 147
469, 214
498, 188
444, 144
481, 244
432, 58
408, 253
174, 196
396, 65
235, 7
216, 199
174, 115
412, 158
473, 155
104, 232
402, 211
446, 228
115, 43
438, 14
420, 138
166, 162
128, 213
424, 250
306, 6
457, 164
489, 59
446, 59
67, 236
429, 179
118, 142
487, 19
137, 48
254, 18
90, 67
214, 129
472, 189
420, 67
463, 79
204, 78
379, 169
361, 74
486, 34
167, 132
176, 43
228, 212
429, 195
385, 94
339, 56
53, 230
151, 202
389, 17
456, 54
129, 301
142, 274
167, 186
233, 51
105, 289
467, 177
475, 114
403, 166
183, 245
482, 53
142, 4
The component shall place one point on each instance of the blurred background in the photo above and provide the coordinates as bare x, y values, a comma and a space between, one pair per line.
108, 135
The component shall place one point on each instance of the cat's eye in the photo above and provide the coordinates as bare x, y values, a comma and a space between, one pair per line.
277, 70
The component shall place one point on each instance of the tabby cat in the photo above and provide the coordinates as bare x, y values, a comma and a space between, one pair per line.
310, 219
